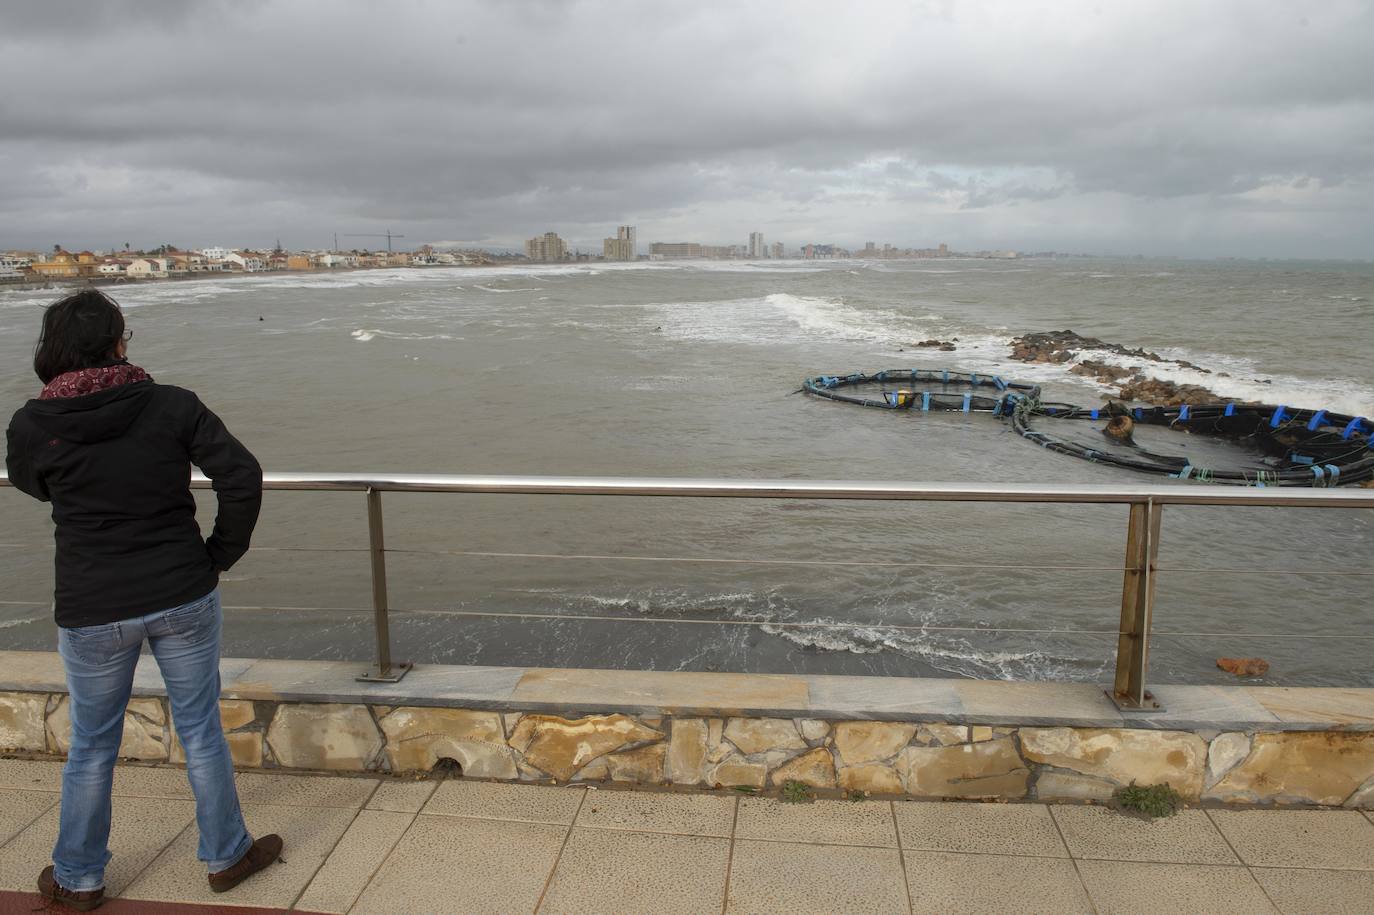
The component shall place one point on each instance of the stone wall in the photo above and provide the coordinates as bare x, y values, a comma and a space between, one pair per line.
879, 757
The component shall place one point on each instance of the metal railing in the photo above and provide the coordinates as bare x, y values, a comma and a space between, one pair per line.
1140, 571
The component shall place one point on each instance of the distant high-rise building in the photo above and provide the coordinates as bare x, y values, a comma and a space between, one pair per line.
944, 250
622, 247
548, 248
870, 249
756, 245
777, 251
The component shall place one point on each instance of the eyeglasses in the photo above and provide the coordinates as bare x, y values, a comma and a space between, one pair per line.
127, 336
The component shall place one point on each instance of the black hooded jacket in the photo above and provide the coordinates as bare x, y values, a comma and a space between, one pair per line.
116, 466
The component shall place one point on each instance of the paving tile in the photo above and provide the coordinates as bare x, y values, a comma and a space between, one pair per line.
143, 781
304, 790
446, 864
605, 871
336, 681
1188, 837
942, 882
363, 848
1224, 708
1133, 886
647, 811
826, 822
860, 697
309, 836
138, 833
402, 797
31, 774
1027, 704
1334, 839
1317, 892
1317, 705
495, 801
678, 692
20, 808
793, 879
1007, 829
32, 671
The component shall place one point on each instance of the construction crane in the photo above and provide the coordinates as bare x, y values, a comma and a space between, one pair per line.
387, 235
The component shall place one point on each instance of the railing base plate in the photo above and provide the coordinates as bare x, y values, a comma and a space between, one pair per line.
374, 675
1124, 704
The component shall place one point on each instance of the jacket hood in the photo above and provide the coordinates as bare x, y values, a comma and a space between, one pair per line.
94, 417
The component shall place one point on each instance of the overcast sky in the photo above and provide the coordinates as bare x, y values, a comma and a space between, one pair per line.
1196, 128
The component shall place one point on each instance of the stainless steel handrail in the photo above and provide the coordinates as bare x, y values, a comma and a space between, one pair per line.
1146, 504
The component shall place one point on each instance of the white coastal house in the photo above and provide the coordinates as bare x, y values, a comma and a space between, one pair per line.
148, 268
246, 261
114, 266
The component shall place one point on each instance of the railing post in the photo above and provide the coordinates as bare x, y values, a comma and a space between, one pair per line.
385, 671
1137, 606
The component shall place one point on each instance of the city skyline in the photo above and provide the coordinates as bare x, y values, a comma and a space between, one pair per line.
1223, 129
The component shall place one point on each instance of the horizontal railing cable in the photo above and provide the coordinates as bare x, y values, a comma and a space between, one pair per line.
784, 624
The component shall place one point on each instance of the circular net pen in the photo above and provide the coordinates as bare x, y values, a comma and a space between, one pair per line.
1244, 444
923, 390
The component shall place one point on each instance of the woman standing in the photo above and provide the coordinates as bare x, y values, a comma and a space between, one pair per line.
112, 450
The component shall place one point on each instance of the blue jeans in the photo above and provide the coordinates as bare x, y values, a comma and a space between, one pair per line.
99, 662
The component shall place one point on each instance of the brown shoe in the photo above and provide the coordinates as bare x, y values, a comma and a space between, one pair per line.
262, 853
82, 901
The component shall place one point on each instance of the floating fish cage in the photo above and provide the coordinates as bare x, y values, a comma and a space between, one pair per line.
1258, 444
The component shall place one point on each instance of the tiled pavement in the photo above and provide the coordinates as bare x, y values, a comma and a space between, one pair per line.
373, 845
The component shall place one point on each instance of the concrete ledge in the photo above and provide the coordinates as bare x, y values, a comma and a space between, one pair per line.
576, 691
924, 738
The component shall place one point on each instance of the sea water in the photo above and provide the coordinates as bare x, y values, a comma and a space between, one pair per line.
689, 369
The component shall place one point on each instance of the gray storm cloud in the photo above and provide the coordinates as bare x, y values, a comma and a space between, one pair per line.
1222, 128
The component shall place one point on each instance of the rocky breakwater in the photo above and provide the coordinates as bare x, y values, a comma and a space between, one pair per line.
1133, 382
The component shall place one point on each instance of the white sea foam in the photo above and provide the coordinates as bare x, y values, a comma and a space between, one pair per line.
363, 335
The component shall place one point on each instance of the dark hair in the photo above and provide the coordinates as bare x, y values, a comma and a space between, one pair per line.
80, 331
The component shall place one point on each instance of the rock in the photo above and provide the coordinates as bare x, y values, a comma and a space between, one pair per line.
756, 735
236, 713
1102, 371
815, 768
1244, 667
245, 749
979, 734
324, 737
988, 769
943, 345
1321, 767
876, 779
1122, 755
144, 730
1069, 786
1225, 751
21, 721
418, 738
598, 770
735, 772
560, 746
1165, 393
1363, 799
644, 766
687, 752
814, 729
943, 734
869, 741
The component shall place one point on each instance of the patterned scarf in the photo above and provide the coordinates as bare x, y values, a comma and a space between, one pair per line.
89, 381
